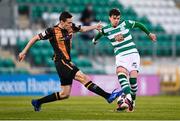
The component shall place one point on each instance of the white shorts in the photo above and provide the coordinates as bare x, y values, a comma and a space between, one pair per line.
130, 62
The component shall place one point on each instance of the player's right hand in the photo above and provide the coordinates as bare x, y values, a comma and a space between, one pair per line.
21, 56
119, 37
99, 26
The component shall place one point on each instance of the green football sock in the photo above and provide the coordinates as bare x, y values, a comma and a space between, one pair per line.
124, 83
134, 87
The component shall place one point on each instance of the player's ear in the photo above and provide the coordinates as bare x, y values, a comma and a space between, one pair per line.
109, 18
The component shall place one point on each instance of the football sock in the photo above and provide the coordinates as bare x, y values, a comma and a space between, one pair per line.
49, 98
124, 83
96, 89
134, 87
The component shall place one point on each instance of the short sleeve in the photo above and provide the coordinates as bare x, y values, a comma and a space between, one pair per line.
48, 33
76, 28
130, 23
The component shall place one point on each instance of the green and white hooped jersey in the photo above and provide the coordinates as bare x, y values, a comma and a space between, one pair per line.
126, 46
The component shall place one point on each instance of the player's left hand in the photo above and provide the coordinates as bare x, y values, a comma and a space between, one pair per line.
153, 37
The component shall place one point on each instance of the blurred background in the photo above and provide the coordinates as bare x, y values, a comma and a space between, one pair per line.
21, 19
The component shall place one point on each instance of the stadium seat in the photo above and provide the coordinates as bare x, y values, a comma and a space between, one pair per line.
1, 62
82, 62
49, 62
37, 60
7, 63
38, 10
56, 9
159, 28
164, 48
178, 38
74, 53
92, 71
3, 38
21, 71
178, 48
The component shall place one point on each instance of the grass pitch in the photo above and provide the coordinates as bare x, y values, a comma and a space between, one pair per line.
90, 108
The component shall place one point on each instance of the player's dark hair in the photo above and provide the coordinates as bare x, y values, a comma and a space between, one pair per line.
114, 12
64, 15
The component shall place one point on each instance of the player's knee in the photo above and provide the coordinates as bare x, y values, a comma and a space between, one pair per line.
122, 70
134, 74
82, 78
85, 79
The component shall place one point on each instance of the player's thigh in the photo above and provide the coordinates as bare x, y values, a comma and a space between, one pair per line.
66, 71
134, 65
122, 64
81, 77
134, 62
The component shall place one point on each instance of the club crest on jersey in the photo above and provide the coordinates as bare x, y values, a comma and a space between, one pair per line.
134, 64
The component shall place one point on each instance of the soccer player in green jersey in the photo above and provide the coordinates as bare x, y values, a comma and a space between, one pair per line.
126, 55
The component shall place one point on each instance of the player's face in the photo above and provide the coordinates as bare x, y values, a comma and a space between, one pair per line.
68, 23
114, 20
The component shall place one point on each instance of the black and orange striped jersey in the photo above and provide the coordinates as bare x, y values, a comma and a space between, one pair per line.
60, 40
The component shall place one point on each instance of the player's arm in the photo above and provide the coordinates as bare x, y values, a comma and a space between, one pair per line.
42, 36
98, 36
28, 46
144, 29
89, 28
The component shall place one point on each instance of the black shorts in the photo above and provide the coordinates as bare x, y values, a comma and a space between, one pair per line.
66, 71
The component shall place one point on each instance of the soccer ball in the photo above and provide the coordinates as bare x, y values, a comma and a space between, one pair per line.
121, 103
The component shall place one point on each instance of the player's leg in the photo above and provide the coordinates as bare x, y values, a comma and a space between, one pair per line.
84, 79
133, 69
123, 80
133, 83
63, 94
65, 71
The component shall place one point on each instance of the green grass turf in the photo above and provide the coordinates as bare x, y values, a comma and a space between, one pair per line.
158, 107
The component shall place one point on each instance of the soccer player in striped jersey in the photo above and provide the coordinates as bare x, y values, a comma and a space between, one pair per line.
126, 55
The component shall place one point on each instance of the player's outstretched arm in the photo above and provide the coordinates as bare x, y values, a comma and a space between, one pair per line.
144, 29
95, 39
89, 28
22, 54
